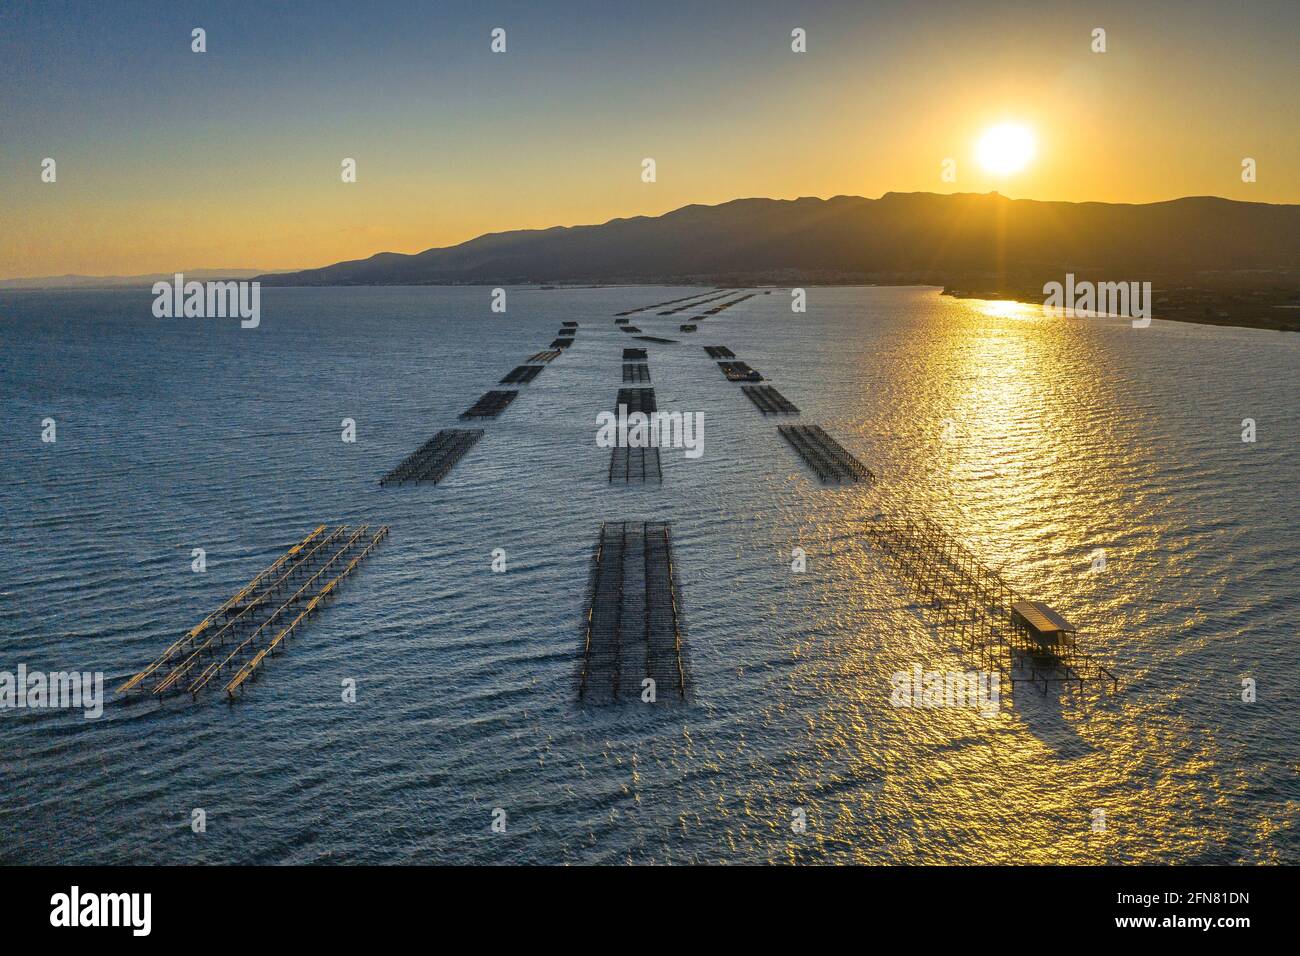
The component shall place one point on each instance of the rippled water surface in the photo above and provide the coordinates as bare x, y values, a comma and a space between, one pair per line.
1065, 437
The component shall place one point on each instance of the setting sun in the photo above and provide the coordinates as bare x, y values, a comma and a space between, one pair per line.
1005, 148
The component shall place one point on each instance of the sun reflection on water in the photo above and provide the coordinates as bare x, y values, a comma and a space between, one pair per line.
1008, 309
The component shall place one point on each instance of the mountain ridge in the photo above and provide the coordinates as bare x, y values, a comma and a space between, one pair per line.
926, 236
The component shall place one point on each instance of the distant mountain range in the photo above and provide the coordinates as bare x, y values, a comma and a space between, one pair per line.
900, 237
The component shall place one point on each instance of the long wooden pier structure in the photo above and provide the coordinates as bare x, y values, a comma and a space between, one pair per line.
633, 624
255, 623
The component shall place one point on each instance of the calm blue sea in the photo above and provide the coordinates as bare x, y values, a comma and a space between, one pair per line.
1038, 440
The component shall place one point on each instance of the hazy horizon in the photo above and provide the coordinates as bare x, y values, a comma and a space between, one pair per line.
243, 271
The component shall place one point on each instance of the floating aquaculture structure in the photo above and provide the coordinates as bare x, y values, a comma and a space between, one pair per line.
719, 352
638, 400
631, 329
632, 634
569, 324
561, 343
694, 304
634, 355
688, 327
550, 355
739, 372
726, 305
634, 466
656, 305
769, 400
521, 375
237, 638
824, 455
435, 458
630, 464
636, 372
1023, 641
655, 338
491, 405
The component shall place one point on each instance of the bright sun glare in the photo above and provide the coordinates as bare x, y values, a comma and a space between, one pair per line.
1005, 148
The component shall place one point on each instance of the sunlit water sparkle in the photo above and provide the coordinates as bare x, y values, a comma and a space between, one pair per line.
1066, 436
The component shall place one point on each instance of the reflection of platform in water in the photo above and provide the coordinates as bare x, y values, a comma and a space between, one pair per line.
255, 623
1023, 641
632, 630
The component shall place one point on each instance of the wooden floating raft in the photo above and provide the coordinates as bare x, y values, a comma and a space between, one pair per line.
255, 623
521, 375
824, 454
655, 338
629, 329
688, 327
622, 321
636, 372
769, 400
492, 404
569, 324
550, 355
739, 372
435, 458
634, 355
561, 343
719, 352
633, 626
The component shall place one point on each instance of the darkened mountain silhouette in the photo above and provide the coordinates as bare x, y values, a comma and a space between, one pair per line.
919, 236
